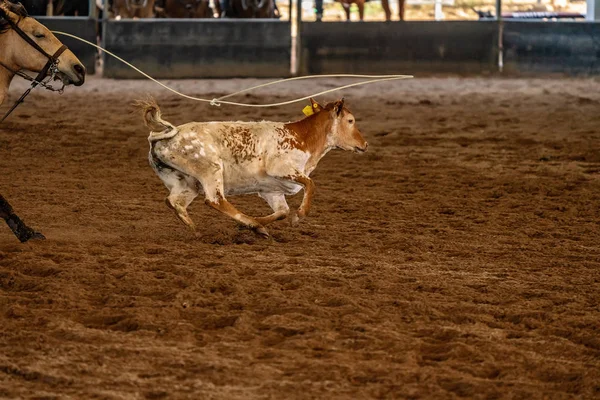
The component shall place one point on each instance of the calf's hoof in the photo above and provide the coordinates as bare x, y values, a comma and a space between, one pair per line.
295, 220
262, 231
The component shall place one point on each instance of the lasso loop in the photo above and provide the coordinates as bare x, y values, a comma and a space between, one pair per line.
218, 101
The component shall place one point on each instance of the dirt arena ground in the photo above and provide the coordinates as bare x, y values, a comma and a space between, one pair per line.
459, 257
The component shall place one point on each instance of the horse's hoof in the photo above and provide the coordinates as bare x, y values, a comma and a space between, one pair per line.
33, 235
38, 236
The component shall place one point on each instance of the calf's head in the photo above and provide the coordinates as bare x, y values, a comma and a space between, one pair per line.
344, 133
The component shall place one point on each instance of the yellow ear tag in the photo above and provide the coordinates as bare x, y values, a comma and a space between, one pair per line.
308, 111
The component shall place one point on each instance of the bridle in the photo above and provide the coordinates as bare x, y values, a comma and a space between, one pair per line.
50, 67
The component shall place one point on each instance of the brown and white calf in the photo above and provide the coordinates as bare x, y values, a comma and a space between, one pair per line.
272, 159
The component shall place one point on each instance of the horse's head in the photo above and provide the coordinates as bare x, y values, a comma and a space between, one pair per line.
22, 55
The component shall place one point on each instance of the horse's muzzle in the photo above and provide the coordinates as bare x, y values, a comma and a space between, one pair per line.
75, 75
79, 71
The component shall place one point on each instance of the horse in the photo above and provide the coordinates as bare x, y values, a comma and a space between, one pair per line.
388, 14
71, 8
60, 7
35, 7
133, 8
183, 9
250, 9
27, 44
361, 8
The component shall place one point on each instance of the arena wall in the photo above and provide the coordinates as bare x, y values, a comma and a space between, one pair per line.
409, 47
552, 47
166, 48
261, 48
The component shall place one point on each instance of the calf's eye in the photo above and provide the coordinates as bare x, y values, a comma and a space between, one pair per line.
350, 121
39, 35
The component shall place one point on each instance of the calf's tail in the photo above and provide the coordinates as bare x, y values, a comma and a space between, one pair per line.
159, 128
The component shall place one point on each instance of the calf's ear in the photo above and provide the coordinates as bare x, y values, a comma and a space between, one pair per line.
338, 107
316, 106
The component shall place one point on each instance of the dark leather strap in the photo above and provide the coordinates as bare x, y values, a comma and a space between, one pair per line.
16, 28
37, 80
52, 61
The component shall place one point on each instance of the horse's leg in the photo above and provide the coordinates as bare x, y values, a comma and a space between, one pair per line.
218, 11
401, 9
21, 231
347, 9
226, 9
361, 9
319, 9
386, 8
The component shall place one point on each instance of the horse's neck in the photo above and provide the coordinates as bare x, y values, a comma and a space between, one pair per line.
5, 75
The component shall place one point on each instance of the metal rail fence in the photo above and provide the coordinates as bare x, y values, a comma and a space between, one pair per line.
197, 48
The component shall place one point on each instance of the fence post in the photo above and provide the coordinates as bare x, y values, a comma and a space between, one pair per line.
593, 10
500, 36
438, 13
103, 27
298, 64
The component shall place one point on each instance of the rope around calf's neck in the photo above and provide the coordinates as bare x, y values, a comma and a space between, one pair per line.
218, 101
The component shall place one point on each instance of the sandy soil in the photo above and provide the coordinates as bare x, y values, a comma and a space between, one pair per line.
459, 257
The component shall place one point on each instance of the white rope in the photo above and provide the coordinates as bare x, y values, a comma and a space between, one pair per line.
218, 101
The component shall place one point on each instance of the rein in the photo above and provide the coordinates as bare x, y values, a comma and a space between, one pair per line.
51, 66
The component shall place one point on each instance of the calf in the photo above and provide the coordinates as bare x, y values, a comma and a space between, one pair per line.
272, 159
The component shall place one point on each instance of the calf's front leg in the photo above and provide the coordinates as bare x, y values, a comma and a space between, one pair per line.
221, 204
309, 190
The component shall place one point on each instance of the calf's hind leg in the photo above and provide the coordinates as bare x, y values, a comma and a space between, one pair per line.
183, 190
221, 204
210, 176
212, 183
278, 204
